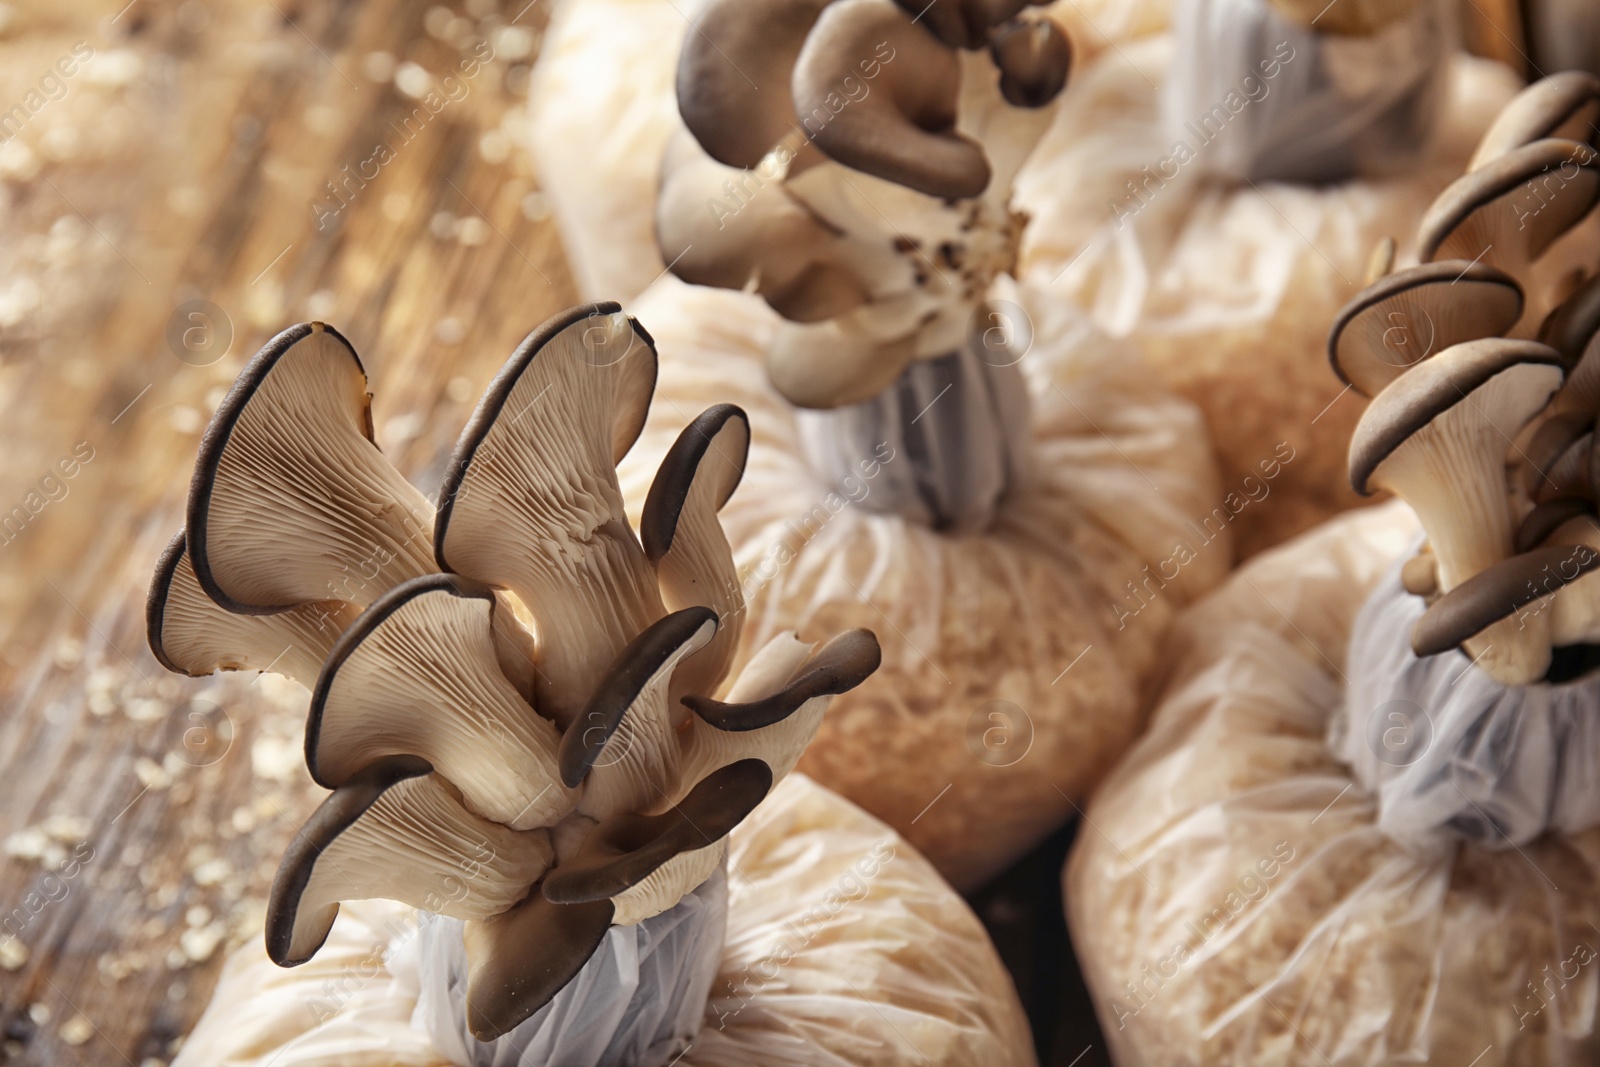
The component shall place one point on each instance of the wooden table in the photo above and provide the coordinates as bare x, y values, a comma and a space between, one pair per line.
141, 814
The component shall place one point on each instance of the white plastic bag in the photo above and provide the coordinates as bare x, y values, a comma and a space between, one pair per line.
1012, 658
1261, 97
1236, 901
1447, 749
638, 1002
843, 948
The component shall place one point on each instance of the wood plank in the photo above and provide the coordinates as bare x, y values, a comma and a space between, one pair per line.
198, 177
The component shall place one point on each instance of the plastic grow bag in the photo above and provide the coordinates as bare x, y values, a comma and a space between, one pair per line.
843, 948
1236, 901
1012, 658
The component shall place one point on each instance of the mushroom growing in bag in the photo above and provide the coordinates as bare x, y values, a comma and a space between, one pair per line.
1017, 516
590, 786
1392, 733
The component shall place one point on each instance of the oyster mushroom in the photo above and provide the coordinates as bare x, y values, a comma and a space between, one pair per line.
189, 634
1404, 317
530, 502
1494, 598
1509, 211
396, 830
542, 824
874, 212
1565, 106
1438, 436
416, 675
1573, 329
291, 502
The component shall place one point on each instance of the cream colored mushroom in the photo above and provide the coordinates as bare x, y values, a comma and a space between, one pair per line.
396, 830
416, 675
1438, 436
190, 634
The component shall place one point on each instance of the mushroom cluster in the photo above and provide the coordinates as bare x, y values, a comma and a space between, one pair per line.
861, 184
516, 702
1308, 91
1483, 430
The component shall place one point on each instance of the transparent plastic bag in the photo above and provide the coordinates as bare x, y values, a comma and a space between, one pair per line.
1262, 97
1448, 750
1012, 658
843, 948
1227, 290
1238, 903
638, 1002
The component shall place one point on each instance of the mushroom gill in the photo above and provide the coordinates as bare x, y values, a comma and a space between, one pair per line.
543, 814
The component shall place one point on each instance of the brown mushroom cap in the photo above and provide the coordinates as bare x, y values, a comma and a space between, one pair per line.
1573, 329
684, 540
625, 849
1034, 57
416, 675
1498, 593
1564, 106
398, 831
1431, 388
961, 23
733, 75
1405, 317
1556, 457
627, 720
189, 634
838, 667
291, 502
1510, 211
530, 501
904, 130
519, 960
775, 722
1548, 517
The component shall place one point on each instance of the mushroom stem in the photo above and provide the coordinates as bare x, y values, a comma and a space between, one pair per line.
942, 446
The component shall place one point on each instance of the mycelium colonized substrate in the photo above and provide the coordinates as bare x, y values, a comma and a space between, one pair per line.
561, 823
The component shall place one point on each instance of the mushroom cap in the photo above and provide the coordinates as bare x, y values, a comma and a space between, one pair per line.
684, 540
733, 75
1034, 57
1514, 207
1497, 593
1564, 106
838, 667
416, 675
1572, 327
1548, 517
961, 23
190, 634
625, 849
627, 717
291, 501
530, 500
1432, 387
1553, 457
519, 960
904, 130
399, 831
1404, 317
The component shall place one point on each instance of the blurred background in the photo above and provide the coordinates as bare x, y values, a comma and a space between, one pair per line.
179, 181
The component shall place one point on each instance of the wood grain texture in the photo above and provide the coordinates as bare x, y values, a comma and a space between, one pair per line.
141, 814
